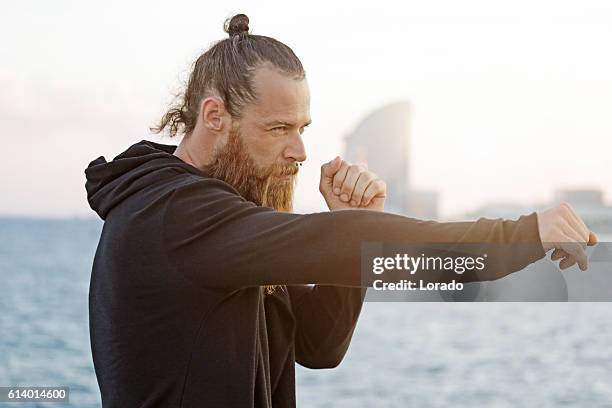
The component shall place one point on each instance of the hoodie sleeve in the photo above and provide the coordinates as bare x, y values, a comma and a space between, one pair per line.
217, 239
326, 317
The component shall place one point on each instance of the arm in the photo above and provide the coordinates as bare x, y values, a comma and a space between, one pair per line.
325, 319
217, 239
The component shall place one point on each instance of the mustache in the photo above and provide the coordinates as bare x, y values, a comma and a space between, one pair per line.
278, 169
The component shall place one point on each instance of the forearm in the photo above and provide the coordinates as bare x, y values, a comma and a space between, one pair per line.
326, 317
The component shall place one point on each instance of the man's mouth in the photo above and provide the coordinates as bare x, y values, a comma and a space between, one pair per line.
286, 173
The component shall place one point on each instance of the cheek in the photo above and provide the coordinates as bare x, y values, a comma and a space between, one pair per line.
267, 149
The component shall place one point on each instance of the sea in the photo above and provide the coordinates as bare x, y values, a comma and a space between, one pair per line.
402, 354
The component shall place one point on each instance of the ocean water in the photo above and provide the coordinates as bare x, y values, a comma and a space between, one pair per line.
402, 354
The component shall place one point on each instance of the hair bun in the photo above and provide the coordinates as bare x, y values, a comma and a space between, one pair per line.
239, 24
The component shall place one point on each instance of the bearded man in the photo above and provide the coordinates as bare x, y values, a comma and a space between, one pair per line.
206, 289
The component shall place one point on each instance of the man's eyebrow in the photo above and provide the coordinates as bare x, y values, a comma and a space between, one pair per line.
284, 123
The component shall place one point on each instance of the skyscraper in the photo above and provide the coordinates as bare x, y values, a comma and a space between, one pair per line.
382, 141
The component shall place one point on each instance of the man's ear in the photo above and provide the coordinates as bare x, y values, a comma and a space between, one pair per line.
213, 113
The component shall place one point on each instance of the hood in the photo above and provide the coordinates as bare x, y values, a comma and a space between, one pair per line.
109, 183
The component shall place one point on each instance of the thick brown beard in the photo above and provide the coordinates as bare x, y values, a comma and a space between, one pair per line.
263, 186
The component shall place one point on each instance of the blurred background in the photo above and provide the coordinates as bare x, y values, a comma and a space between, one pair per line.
466, 109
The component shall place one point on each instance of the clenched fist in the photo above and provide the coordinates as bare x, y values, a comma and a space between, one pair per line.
350, 186
561, 228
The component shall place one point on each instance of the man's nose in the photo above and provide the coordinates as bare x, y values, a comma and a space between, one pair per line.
295, 150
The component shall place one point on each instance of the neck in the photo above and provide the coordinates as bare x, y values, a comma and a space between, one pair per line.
192, 152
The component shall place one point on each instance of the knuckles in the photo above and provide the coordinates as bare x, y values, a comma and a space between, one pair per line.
566, 208
354, 172
357, 169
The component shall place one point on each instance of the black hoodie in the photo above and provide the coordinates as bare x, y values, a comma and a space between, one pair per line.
178, 315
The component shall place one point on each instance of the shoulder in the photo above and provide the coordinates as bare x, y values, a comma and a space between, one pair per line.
192, 185
199, 197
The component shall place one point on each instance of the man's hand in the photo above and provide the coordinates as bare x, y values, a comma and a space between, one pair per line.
345, 186
562, 229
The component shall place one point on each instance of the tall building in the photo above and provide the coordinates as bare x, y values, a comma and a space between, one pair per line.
382, 141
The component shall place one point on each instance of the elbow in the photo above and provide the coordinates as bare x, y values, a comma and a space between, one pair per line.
320, 360
327, 353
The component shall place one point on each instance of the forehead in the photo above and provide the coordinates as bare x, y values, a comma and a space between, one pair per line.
280, 97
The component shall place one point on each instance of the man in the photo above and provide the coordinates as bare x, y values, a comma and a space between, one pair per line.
200, 292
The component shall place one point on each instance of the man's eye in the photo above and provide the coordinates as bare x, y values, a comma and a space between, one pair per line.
279, 129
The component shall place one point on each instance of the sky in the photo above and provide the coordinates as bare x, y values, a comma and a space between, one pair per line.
511, 101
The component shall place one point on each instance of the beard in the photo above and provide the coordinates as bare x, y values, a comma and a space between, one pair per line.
270, 186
